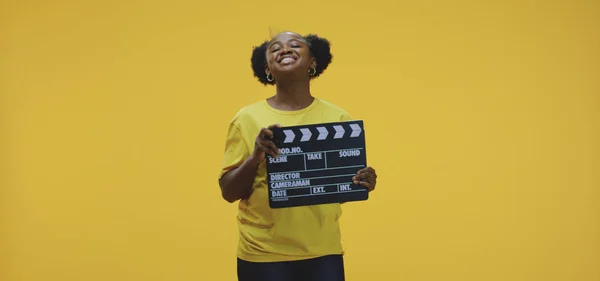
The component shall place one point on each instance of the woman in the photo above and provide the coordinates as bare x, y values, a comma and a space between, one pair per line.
300, 243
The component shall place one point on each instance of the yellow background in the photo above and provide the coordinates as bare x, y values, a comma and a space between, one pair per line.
481, 118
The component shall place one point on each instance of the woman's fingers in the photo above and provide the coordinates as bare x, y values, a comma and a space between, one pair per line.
264, 141
367, 170
267, 147
367, 184
272, 148
268, 131
365, 181
265, 132
366, 177
274, 126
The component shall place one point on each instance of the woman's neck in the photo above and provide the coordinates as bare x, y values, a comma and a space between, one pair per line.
292, 96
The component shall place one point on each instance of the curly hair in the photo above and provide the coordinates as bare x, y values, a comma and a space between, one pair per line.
319, 47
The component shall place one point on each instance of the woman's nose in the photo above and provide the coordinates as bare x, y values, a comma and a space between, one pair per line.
285, 50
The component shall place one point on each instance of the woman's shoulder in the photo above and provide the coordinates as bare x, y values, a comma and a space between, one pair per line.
330, 106
248, 111
252, 107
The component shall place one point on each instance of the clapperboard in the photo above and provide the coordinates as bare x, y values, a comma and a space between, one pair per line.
316, 164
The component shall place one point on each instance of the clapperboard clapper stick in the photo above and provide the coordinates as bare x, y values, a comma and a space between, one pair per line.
316, 164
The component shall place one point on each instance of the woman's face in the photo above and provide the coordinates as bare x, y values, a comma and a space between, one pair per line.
288, 53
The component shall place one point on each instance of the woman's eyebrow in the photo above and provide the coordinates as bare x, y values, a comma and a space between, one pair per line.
293, 39
274, 43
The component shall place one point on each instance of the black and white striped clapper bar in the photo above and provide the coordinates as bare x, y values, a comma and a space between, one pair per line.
316, 164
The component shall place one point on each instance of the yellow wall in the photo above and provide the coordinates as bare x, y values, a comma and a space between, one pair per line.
481, 117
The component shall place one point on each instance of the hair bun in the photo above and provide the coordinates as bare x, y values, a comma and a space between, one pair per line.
321, 50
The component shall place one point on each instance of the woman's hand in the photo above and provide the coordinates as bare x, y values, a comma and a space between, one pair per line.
263, 146
366, 177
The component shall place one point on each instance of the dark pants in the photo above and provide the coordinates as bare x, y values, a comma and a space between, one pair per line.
327, 268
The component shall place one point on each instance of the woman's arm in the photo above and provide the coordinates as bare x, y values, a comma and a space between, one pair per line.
237, 183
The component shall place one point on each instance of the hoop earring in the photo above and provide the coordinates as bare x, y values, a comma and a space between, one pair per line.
312, 71
270, 77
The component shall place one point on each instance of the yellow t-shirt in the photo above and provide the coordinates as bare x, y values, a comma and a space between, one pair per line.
285, 234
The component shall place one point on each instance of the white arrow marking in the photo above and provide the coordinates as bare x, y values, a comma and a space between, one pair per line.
289, 136
339, 131
355, 130
322, 133
305, 134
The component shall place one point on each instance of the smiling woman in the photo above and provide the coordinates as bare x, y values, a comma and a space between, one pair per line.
319, 56
300, 243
